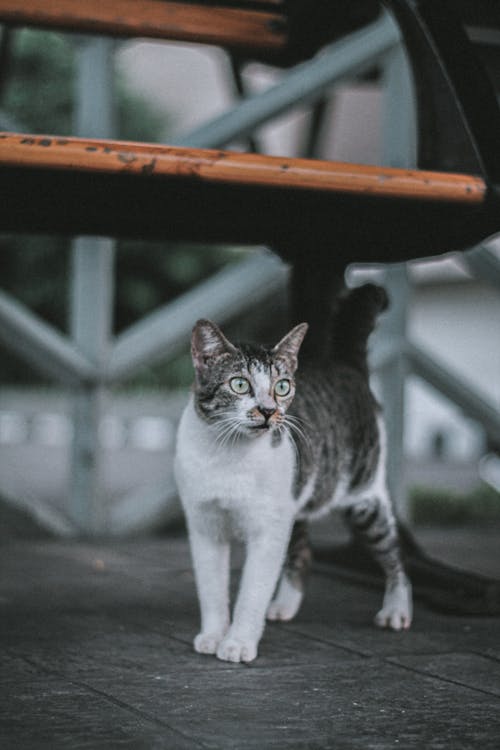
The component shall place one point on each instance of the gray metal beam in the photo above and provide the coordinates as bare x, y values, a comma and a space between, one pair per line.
165, 332
399, 126
456, 390
483, 264
92, 284
304, 84
37, 343
392, 374
398, 150
91, 296
94, 86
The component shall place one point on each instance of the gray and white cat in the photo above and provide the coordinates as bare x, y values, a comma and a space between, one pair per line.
262, 447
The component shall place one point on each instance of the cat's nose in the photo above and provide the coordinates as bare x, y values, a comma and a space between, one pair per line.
266, 413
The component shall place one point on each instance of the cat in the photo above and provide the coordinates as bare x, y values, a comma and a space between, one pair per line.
262, 447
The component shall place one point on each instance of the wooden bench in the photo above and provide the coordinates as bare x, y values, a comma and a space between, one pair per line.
226, 26
274, 30
366, 213
73, 185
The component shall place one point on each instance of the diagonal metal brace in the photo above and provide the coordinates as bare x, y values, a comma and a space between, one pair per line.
40, 345
483, 264
165, 332
455, 389
305, 84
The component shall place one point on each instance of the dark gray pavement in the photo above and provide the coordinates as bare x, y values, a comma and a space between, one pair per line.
95, 653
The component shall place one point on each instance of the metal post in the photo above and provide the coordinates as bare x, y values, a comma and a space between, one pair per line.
91, 296
392, 375
398, 150
399, 134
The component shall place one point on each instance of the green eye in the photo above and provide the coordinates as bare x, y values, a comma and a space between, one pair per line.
239, 385
282, 388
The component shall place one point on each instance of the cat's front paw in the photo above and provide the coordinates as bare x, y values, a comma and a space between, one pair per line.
237, 649
396, 612
206, 643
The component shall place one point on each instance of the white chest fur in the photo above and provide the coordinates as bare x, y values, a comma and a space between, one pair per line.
249, 474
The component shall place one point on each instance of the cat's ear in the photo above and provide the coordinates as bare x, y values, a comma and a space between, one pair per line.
288, 348
207, 343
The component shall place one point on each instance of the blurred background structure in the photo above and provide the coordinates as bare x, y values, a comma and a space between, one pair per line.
99, 460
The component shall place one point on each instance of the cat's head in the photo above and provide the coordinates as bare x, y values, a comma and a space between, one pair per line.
243, 389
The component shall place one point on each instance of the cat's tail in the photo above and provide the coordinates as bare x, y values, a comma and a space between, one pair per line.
354, 320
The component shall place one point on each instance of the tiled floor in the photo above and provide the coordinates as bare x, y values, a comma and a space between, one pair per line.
96, 653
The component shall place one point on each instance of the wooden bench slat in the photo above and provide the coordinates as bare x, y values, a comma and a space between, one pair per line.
158, 19
106, 156
300, 207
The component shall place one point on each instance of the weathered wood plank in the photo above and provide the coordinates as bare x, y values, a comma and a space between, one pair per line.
105, 188
229, 167
231, 27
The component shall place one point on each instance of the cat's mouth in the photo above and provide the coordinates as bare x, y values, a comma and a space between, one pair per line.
255, 428
262, 427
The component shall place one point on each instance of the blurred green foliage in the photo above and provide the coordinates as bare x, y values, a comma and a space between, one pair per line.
39, 92
444, 507
36, 270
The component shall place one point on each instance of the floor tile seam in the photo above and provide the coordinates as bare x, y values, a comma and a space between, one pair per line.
434, 676
156, 630
284, 627
111, 698
440, 652
294, 629
138, 712
183, 669
187, 669
484, 655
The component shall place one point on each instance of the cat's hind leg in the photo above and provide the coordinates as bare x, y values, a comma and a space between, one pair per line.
290, 590
372, 520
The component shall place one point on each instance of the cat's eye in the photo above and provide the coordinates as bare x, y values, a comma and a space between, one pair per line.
282, 388
239, 385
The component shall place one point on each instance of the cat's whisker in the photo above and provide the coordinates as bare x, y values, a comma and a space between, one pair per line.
284, 430
223, 431
225, 436
235, 436
298, 437
298, 430
229, 434
299, 421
